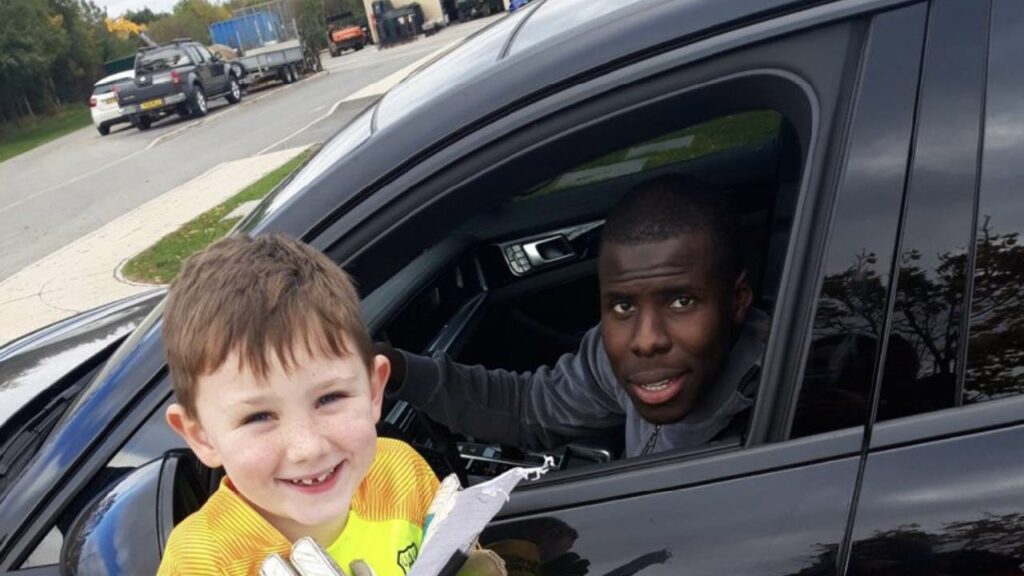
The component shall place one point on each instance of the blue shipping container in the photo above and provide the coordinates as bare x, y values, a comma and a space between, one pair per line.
249, 31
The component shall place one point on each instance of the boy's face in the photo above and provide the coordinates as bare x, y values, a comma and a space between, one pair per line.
296, 444
667, 320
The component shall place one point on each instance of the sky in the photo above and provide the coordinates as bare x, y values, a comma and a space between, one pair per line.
118, 7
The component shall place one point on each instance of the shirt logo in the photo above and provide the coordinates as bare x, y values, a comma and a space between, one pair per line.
407, 556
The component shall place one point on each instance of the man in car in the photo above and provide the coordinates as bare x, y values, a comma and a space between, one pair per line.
676, 357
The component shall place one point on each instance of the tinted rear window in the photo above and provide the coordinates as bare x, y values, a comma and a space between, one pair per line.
161, 59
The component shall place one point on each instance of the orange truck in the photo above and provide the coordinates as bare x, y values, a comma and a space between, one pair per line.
345, 37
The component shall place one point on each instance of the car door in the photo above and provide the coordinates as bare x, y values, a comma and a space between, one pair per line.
941, 492
218, 70
778, 503
203, 70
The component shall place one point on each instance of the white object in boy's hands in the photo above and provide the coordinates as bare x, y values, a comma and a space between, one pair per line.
456, 522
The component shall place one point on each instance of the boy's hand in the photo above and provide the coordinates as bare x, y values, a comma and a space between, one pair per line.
309, 559
483, 562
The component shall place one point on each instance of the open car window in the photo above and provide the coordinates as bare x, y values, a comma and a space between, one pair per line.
513, 285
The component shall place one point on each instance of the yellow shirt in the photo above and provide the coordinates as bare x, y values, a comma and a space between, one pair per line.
385, 524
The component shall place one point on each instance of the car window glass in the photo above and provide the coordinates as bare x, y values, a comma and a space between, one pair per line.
745, 129
204, 53
160, 59
995, 347
562, 17
924, 355
195, 55
148, 443
851, 307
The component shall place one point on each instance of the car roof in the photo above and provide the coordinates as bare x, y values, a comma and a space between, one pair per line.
540, 48
126, 75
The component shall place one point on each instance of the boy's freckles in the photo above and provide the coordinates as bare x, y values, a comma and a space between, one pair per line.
665, 321
297, 443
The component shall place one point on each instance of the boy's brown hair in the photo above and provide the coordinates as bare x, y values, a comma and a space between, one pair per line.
257, 296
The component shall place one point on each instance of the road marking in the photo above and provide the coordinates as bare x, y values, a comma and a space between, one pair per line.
303, 129
163, 137
318, 108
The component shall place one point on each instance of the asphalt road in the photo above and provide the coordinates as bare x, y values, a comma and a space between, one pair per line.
65, 189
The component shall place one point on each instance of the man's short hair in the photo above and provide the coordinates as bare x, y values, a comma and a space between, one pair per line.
256, 297
669, 206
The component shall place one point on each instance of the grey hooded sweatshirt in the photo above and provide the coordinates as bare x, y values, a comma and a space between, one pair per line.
576, 398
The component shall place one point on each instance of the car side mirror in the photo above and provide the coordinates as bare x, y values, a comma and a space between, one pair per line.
134, 516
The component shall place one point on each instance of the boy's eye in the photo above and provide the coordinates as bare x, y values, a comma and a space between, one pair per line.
329, 398
622, 307
256, 417
681, 302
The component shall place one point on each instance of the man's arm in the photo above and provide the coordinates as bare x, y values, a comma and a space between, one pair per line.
540, 410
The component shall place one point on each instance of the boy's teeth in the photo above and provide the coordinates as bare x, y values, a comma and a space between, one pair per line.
314, 481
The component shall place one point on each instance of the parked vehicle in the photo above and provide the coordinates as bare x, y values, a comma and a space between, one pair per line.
871, 152
181, 77
343, 38
103, 103
268, 42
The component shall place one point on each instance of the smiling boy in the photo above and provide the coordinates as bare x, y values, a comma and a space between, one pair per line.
676, 357
276, 382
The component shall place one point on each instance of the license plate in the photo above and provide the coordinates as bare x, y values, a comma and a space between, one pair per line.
150, 104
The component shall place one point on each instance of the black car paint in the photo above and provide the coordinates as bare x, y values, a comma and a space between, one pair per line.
714, 512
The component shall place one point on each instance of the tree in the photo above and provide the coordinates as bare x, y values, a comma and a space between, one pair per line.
189, 19
29, 43
144, 16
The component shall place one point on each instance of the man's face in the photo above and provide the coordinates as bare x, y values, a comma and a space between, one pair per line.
667, 320
296, 444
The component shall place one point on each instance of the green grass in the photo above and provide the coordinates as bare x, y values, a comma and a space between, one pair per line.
159, 264
15, 139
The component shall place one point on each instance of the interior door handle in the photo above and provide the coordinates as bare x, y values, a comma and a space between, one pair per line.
548, 250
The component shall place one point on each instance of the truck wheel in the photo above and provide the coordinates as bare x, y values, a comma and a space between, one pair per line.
294, 72
143, 122
234, 95
286, 77
103, 129
197, 103
334, 53
182, 110
359, 46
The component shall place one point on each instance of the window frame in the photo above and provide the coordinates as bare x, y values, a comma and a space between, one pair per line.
463, 163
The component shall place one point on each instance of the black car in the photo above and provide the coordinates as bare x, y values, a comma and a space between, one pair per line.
181, 77
871, 149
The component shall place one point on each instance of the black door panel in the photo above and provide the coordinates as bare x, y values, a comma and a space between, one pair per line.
782, 522
953, 506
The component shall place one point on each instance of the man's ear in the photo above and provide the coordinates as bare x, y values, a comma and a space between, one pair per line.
743, 296
380, 371
192, 431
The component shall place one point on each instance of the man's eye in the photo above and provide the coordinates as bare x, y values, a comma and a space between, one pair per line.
329, 398
622, 307
256, 417
681, 302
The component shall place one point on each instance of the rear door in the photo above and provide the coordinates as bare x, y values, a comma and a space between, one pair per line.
942, 490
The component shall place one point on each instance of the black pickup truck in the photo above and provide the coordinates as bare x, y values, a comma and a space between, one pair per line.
177, 77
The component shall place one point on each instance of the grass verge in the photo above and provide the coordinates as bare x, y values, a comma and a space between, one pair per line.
159, 263
16, 140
